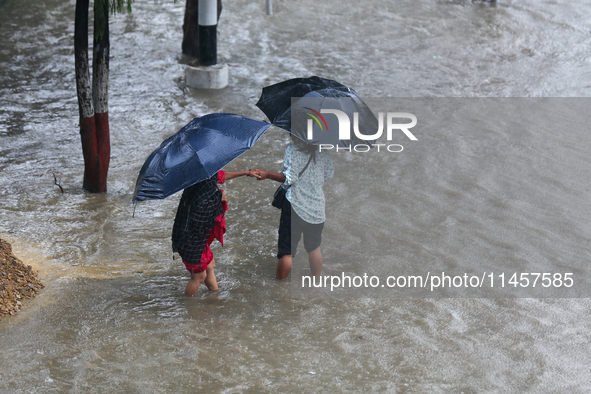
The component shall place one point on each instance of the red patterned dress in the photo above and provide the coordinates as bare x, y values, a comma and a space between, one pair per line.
200, 219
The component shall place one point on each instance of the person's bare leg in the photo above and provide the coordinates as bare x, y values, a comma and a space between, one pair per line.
210, 280
315, 260
194, 283
283, 267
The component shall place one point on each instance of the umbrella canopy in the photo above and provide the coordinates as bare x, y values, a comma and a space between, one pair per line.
195, 153
315, 109
276, 99
316, 94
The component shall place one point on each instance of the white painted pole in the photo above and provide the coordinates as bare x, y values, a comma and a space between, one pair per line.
208, 20
208, 13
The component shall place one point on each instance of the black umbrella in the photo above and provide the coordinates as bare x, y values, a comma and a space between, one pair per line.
317, 94
276, 99
195, 153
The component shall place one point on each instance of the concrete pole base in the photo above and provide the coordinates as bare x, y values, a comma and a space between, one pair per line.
212, 77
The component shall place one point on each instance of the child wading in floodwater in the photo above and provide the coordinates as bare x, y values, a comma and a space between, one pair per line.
200, 219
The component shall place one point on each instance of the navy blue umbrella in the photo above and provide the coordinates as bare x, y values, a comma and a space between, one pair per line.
195, 153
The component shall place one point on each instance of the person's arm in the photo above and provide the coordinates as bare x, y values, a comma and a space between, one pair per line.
235, 174
276, 176
262, 174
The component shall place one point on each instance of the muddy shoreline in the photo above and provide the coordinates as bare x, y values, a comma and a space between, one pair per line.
18, 281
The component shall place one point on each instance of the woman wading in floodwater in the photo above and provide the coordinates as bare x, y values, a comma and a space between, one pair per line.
303, 173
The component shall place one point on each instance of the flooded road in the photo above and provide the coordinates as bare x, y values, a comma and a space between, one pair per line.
112, 316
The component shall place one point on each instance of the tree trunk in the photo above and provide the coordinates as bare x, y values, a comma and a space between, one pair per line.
95, 146
84, 91
100, 94
190, 44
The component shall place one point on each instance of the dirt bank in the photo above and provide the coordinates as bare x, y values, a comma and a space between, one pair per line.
18, 281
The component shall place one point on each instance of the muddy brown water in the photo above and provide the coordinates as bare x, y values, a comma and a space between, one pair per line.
112, 317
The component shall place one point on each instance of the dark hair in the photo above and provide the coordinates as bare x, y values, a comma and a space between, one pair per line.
304, 147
